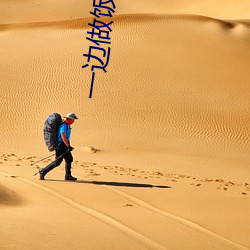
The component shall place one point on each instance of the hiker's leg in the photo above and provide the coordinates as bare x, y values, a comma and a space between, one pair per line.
68, 160
53, 164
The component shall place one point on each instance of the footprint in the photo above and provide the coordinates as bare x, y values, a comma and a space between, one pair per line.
128, 205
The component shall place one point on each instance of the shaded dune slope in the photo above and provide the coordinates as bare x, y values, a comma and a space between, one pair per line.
8, 197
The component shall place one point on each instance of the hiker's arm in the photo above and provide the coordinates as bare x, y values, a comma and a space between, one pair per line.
66, 142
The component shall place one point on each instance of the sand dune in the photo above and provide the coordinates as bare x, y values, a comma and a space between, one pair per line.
46, 10
161, 148
199, 110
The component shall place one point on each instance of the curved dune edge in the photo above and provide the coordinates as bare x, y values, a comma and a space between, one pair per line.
15, 11
82, 23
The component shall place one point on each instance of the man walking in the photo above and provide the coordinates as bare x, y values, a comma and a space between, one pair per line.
63, 150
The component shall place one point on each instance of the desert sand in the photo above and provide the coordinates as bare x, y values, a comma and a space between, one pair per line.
162, 149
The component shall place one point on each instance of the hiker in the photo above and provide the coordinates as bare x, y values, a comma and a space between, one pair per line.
63, 149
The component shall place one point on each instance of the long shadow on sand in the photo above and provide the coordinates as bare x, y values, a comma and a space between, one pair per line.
122, 184
114, 183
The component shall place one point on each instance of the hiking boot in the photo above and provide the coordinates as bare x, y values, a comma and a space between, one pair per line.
70, 178
41, 175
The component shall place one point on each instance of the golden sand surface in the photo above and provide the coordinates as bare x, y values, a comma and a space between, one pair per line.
162, 147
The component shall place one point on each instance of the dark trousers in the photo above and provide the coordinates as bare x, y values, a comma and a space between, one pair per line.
60, 155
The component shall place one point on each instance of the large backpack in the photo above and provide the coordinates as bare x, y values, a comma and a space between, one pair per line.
50, 130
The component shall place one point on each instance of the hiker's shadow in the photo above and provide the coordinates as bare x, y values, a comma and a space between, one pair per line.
122, 184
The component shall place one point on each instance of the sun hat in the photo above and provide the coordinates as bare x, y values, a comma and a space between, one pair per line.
71, 116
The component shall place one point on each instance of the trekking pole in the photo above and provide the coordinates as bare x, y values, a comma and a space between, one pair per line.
48, 157
41, 160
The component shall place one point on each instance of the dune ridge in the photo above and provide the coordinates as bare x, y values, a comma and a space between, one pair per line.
143, 17
48, 10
